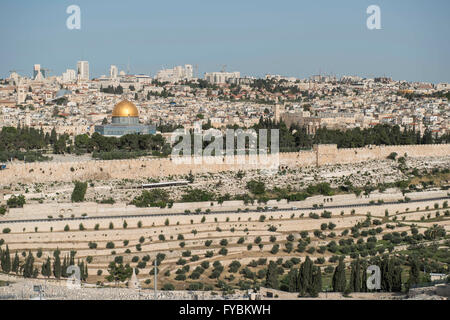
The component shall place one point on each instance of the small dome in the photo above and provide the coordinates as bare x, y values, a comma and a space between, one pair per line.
125, 109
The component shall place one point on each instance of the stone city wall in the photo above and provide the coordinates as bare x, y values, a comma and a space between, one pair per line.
330, 154
153, 168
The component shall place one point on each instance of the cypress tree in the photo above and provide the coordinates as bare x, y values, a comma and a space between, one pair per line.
47, 268
35, 273
364, 277
82, 271
64, 268
387, 274
414, 272
72, 258
44, 269
316, 282
355, 276
397, 279
305, 276
16, 263
6, 261
57, 265
1, 258
28, 269
272, 276
292, 278
86, 273
339, 281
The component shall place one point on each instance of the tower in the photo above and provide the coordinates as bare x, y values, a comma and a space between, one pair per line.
21, 93
113, 72
38, 72
277, 113
83, 70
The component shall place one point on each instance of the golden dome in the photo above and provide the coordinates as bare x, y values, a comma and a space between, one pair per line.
125, 108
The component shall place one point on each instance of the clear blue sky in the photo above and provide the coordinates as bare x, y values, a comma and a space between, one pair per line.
294, 38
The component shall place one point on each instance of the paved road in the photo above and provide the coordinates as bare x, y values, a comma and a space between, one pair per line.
220, 212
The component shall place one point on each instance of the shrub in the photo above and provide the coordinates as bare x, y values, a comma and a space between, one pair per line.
153, 198
392, 155
110, 245
168, 287
234, 266
186, 253
194, 275
195, 258
79, 191
16, 202
256, 187
320, 260
180, 277
275, 249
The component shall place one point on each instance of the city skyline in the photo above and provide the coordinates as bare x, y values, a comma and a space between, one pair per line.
337, 39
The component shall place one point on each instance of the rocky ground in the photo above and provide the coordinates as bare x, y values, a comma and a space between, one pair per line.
21, 289
377, 171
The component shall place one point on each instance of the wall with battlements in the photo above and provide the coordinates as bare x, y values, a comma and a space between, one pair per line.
153, 168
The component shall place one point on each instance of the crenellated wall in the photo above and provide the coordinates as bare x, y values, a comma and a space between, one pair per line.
139, 168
